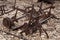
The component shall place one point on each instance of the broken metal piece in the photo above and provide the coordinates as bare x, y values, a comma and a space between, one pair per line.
33, 16
7, 22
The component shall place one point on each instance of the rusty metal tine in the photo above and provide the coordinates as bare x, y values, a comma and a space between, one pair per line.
16, 13
45, 32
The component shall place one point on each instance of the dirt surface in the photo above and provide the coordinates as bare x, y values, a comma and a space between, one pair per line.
52, 27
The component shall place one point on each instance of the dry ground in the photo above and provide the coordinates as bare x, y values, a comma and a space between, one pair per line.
52, 27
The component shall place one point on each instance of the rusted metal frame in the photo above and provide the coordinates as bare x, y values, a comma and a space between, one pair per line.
22, 16
30, 21
40, 27
7, 12
3, 10
30, 7
18, 18
43, 20
24, 10
36, 26
27, 12
43, 30
29, 24
30, 14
